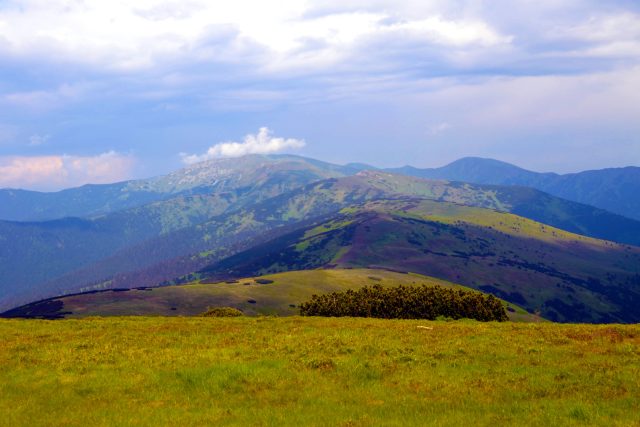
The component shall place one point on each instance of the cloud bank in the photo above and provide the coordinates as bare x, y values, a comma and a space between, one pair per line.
375, 81
124, 36
47, 173
261, 143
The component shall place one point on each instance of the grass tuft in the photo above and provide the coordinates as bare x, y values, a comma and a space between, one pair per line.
222, 312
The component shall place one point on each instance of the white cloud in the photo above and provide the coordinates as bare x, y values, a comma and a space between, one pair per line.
439, 128
270, 38
121, 35
261, 143
453, 33
61, 171
36, 140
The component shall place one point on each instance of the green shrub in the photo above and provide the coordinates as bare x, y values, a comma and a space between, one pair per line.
222, 312
407, 302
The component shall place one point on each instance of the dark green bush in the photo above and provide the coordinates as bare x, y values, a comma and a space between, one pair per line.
406, 302
222, 312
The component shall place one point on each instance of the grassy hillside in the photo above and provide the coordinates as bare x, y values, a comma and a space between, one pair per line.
567, 277
276, 294
527, 202
316, 371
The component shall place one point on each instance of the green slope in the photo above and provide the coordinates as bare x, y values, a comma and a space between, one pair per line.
276, 294
567, 277
527, 202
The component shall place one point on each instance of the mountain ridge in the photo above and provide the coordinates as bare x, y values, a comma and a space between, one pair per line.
612, 189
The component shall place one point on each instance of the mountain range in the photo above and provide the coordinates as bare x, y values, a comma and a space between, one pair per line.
613, 189
223, 218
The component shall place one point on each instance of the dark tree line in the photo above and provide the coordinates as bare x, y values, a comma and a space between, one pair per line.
407, 302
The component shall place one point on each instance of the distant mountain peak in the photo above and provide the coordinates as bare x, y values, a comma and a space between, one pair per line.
485, 165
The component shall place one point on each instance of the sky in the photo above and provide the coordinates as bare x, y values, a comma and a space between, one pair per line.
103, 91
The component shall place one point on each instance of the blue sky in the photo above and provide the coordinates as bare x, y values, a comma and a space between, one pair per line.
101, 91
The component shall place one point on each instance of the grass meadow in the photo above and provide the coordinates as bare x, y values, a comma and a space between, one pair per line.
281, 297
269, 371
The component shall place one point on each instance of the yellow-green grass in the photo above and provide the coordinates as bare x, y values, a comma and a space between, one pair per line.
451, 213
266, 371
282, 297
